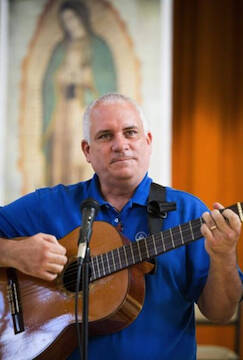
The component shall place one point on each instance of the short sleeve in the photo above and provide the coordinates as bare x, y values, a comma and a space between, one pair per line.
21, 217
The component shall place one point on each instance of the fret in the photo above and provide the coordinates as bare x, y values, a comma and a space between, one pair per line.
129, 254
116, 258
143, 249
105, 263
196, 227
146, 248
118, 252
114, 264
155, 249
135, 252
93, 268
173, 244
182, 239
102, 263
133, 259
108, 263
163, 241
190, 225
198, 234
98, 266
139, 251
124, 249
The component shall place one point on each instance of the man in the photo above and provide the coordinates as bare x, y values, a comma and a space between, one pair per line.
118, 144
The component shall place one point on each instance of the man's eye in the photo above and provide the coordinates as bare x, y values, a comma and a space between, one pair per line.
105, 136
131, 132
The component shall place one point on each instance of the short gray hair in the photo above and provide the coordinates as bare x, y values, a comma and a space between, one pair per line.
110, 98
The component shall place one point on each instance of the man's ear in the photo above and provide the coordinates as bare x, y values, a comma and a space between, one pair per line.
86, 149
149, 138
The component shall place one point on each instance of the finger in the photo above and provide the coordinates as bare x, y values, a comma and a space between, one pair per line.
226, 221
232, 219
58, 249
218, 206
57, 259
54, 268
220, 221
48, 276
209, 221
206, 232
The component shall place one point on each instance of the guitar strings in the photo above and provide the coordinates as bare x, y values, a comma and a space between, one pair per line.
184, 229
73, 267
164, 237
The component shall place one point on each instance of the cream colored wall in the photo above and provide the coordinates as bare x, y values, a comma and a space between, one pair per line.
22, 21
3, 93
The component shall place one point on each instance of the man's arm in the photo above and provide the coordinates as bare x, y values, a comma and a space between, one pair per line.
40, 255
223, 289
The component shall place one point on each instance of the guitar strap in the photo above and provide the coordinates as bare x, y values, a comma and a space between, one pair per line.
157, 210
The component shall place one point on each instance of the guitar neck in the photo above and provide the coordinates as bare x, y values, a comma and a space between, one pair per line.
144, 249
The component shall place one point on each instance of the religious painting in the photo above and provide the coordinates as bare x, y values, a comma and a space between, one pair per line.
79, 51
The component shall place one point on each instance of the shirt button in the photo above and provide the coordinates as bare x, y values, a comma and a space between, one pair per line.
116, 220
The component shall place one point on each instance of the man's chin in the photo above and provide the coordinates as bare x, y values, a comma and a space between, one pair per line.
123, 174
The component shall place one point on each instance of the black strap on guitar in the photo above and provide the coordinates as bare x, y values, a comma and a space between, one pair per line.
157, 209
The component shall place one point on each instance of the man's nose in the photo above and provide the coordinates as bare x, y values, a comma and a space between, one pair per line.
120, 143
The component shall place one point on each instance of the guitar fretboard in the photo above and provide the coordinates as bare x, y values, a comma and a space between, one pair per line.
144, 249
147, 248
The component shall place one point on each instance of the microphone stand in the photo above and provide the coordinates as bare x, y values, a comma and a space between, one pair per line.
85, 316
89, 209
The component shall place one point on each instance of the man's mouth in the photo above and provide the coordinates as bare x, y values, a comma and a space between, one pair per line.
121, 159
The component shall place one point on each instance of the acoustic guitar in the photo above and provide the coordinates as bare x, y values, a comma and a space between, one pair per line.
38, 317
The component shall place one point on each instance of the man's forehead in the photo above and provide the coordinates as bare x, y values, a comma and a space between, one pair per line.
123, 115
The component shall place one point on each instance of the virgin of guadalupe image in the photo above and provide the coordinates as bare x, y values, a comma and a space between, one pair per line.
81, 68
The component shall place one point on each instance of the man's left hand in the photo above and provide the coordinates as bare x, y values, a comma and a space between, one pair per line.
221, 231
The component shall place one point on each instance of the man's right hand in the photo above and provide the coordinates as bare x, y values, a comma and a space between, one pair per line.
40, 255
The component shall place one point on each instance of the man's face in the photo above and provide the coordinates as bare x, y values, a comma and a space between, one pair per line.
119, 150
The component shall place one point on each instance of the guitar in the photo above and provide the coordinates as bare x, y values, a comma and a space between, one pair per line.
38, 317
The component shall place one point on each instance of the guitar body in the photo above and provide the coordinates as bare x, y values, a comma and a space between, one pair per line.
48, 308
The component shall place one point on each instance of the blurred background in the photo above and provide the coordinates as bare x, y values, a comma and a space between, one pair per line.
181, 60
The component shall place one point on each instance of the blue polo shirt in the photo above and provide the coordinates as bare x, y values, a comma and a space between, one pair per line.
165, 328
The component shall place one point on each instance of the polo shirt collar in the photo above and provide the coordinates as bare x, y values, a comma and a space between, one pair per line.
142, 192
139, 197
94, 191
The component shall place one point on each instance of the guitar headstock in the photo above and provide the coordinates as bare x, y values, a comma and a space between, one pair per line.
238, 209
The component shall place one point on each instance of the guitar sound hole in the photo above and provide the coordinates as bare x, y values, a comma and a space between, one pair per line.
70, 277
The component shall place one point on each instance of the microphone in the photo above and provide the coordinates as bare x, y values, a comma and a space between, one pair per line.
89, 209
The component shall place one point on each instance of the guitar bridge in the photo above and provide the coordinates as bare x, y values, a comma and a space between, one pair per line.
14, 301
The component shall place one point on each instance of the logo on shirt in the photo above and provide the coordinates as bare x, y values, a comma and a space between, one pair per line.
140, 235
